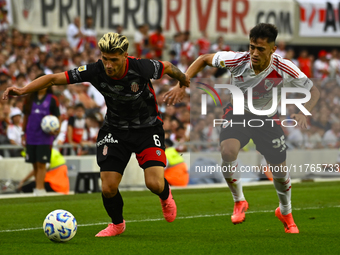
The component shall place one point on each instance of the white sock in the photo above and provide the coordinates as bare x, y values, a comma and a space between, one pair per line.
39, 192
233, 179
283, 188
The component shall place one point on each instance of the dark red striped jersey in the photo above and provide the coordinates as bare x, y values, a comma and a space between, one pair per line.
131, 100
279, 73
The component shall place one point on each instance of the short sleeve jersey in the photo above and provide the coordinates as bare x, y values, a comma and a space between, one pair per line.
131, 100
279, 73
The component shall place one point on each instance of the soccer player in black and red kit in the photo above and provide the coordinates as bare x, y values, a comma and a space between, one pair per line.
132, 122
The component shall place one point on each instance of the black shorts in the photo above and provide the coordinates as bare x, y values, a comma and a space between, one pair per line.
269, 138
114, 148
38, 153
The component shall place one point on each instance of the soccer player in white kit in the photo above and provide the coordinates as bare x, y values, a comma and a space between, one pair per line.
261, 69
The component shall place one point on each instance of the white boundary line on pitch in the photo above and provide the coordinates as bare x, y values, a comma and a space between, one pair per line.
177, 218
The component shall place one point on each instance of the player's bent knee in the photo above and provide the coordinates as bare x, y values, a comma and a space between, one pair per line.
155, 185
228, 154
230, 149
109, 190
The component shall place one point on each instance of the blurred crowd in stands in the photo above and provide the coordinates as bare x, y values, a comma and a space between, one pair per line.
24, 56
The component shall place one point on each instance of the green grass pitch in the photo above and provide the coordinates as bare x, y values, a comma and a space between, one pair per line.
202, 226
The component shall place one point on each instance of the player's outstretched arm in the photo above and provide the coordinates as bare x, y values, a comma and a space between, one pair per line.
198, 65
38, 84
300, 117
175, 73
177, 93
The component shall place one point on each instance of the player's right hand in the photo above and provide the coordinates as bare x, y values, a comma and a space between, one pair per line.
301, 119
186, 83
12, 91
175, 95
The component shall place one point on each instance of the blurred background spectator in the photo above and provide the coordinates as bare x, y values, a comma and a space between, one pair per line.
281, 49
56, 179
176, 170
75, 35
157, 43
14, 131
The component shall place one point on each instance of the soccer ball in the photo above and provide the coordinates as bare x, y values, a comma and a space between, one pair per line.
49, 123
60, 226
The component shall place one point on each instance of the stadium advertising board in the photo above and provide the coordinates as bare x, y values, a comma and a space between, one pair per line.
233, 17
319, 18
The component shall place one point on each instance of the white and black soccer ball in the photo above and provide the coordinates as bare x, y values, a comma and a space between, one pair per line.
60, 226
49, 123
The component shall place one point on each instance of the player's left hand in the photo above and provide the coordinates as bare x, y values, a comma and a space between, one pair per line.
174, 95
12, 91
301, 119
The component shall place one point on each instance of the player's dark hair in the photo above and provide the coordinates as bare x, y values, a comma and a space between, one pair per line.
113, 42
263, 31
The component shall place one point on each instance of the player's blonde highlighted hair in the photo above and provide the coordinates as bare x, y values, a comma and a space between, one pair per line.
113, 42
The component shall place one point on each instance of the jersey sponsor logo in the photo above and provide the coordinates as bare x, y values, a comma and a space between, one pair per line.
158, 152
134, 86
107, 139
116, 88
82, 68
126, 97
103, 84
105, 150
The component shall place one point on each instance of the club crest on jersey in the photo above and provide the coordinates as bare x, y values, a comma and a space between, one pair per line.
105, 150
158, 152
82, 68
268, 84
134, 86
